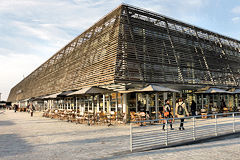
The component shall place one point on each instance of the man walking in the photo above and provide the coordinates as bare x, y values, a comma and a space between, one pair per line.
181, 111
15, 107
31, 108
193, 108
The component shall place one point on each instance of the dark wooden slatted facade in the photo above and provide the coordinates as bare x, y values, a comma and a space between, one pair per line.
132, 45
162, 50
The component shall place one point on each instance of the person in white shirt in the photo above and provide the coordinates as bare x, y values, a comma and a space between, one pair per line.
181, 111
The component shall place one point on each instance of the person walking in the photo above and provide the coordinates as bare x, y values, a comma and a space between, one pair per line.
167, 114
181, 111
15, 107
193, 108
31, 109
222, 106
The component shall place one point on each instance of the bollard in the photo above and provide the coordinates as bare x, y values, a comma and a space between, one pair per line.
216, 125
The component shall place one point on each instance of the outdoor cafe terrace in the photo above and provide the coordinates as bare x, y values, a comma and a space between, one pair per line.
95, 105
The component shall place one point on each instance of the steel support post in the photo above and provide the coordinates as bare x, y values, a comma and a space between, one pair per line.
233, 115
216, 125
166, 134
131, 145
194, 128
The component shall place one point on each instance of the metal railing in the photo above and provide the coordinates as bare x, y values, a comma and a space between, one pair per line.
149, 134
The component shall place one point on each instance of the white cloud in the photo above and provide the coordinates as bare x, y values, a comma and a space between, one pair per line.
14, 67
236, 10
236, 19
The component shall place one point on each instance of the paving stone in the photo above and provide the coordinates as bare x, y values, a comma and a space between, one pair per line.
23, 137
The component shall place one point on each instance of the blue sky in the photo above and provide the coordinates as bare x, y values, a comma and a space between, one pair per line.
33, 30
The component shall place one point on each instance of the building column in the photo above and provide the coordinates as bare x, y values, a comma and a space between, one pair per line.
164, 97
208, 101
156, 105
136, 102
147, 100
109, 103
228, 102
81, 106
76, 104
49, 104
93, 107
202, 100
125, 107
213, 100
174, 103
88, 105
98, 103
104, 105
67, 104
116, 104
84, 105
236, 100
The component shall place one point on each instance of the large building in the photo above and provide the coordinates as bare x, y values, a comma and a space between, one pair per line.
131, 48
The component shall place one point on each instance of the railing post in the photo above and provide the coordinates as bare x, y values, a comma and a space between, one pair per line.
216, 125
166, 133
233, 123
194, 131
131, 146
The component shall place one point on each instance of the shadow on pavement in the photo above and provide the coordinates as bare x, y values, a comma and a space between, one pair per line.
86, 141
6, 123
191, 146
12, 145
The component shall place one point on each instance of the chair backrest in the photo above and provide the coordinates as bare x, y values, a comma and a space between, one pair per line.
132, 115
101, 114
112, 113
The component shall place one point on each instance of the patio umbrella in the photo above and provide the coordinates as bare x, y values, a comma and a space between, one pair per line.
65, 93
212, 90
157, 88
90, 90
237, 91
52, 96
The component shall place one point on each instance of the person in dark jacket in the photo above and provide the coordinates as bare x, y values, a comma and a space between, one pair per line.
141, 107
15, 107
167, 114
222, 105
193, 108
31, 108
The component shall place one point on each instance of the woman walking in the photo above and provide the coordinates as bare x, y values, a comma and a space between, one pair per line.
167, 114
181, 111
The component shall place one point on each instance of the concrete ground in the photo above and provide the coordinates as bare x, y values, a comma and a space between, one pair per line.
36, 138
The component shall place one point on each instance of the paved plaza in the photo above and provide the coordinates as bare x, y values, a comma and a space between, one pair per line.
23, 138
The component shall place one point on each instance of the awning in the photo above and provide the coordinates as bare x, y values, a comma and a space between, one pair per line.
65, 93
25, 100
52, 96
213, 90
90, 90
128, 91
157, 88
237, 91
